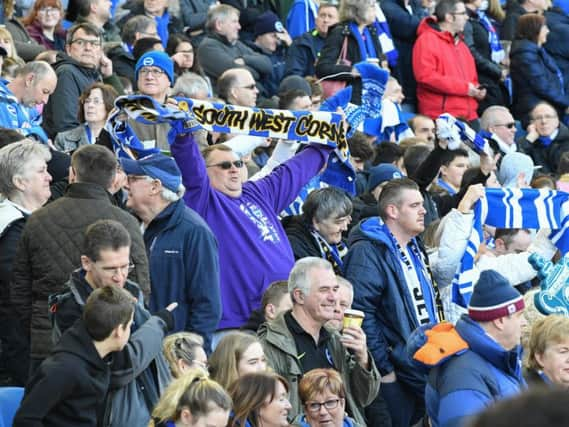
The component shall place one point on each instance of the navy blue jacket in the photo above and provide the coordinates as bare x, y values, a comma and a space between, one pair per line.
303, 53
556, 44
467, 383
403, 26
534, 79
184, 268
381, 292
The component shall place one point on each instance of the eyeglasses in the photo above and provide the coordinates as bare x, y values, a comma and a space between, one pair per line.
544, 117
250, 87
459, 13
46, 10
94, 101
507, 125
123, 269
157, 72
85, 42
227, 164
329, 404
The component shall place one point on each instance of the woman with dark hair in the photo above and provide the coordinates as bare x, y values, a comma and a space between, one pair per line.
44, 24
535, 75
357, 32
260, 400
94, 105
182, 52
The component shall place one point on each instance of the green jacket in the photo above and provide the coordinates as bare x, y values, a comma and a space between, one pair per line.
361, 385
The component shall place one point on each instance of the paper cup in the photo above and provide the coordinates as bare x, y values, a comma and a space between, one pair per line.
353, 318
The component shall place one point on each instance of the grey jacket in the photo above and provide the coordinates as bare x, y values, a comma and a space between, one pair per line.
361, 385
70, 140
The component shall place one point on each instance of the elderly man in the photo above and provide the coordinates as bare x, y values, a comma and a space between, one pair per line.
499, 121
297, 341
181, 249
390, 273
84, 65
221, 49
253, 248
547, 138
31, 87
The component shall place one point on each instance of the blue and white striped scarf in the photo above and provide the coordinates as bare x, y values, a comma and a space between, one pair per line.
385, 38
456, 132
497, 51
512, 208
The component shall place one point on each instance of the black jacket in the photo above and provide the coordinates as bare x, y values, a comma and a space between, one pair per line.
301, 241
123, 63
303, 53
547, 157
69, 388
510, 24
556, 45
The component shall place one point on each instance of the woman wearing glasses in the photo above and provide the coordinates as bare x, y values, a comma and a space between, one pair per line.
323, 398
260, 400
95, 104
44, 24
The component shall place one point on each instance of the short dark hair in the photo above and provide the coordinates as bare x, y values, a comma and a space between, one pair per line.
274, 293
529, 26
136, 24
143, 45
226, 82
95, 164
449, 155
325, 203
109, 95
102, 235
414, 157
106, 309
387, 152
392, 192
445, 7
286, 98
508, 234
87, 27
359, 147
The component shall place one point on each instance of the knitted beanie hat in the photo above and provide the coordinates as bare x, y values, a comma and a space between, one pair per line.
155, 58
494, 297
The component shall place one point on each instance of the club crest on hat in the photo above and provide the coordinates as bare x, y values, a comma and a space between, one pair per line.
279, 27
148, 61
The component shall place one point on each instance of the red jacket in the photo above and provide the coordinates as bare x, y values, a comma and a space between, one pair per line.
443, 69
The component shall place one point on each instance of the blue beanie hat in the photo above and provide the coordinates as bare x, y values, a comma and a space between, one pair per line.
382, 173
155, 58
494, 297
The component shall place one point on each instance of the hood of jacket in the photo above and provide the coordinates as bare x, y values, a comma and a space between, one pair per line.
77, 341
430, 25
369, 229
63, 59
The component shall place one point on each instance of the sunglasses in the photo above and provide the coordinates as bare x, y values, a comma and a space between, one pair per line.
508, 125
227, 164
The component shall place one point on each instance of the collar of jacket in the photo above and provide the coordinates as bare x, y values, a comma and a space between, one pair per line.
170, 216
87, 190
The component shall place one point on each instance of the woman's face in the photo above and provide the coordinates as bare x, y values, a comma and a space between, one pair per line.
555, 362
275, 413
48, 16
542, 36
325, 410
368, 14
253, 360
6, 43
94, 107
36, 181
186, 52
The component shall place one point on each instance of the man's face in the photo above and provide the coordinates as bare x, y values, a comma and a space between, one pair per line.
111, 269
228, 181
344, 302
327, 16
245, 91
453, 172
155, 7
424, 129
518, 244
459, 18
320, 303
545, 119
150, 31
504, 127
102, 9
85, 49
139, 190
39, 90
411, 213
512, 330
269, 41
154, 82
229, 27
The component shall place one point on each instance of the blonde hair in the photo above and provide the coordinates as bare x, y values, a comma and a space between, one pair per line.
224, 361
180, 346
4, 33
194, 391
552, 329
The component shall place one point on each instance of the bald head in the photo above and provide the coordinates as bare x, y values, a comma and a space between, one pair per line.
237, 86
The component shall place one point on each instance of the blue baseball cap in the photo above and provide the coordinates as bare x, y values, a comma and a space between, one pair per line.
157, 166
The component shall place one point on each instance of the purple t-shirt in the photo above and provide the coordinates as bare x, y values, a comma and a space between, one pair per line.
253, 248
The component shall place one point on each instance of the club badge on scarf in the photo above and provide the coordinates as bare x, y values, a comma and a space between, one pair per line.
553, 296
512, 208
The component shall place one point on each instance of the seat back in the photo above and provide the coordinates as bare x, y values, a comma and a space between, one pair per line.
10, 398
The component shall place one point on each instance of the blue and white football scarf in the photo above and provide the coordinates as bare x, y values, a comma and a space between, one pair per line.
512, 208
385, 38
456, 132
497, 52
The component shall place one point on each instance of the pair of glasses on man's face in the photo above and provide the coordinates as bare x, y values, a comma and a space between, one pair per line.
227, 164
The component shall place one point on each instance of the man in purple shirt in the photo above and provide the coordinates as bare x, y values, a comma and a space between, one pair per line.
253, 248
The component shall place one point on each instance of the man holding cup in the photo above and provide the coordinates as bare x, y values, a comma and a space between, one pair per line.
297, 341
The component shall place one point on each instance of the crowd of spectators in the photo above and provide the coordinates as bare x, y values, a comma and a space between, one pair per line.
198, 278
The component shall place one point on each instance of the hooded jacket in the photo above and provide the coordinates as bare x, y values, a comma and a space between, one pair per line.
380, 291
473, 372
69, 388
361, 385
443, 67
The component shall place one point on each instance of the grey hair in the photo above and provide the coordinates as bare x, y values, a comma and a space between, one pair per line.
190, 85
299, 277
40, 69
216, 13
354, 10
488, 119
324, 203
14, 161
169, 195
136, 24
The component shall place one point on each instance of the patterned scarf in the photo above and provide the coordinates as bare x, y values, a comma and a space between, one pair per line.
333, 253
